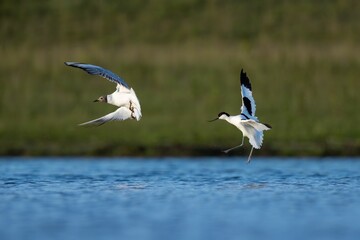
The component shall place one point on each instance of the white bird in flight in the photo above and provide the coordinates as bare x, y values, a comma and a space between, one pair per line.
246, 122
124, 97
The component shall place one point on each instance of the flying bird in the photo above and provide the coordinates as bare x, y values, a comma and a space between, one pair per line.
124, 96
246, 121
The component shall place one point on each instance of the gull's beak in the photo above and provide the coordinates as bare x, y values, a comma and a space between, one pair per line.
213, 119
97, 100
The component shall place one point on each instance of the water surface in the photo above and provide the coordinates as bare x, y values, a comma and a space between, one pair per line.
179, 198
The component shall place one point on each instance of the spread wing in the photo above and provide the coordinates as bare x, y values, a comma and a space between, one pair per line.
120, 114
255, 135
248, 107
96, 70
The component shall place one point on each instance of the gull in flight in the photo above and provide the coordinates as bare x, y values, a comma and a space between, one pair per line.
124, 96
246, 122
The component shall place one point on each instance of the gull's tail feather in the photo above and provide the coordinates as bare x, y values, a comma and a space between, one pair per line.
136, 105
137, 114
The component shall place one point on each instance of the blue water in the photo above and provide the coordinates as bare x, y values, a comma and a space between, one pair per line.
172, 198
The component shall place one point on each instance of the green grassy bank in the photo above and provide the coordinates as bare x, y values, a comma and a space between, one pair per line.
183, 59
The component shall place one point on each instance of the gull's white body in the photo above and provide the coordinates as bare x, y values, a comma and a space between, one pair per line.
246, 121
127, 98
124, 97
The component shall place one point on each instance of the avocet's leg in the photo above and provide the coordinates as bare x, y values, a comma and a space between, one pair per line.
228, 150
249, 158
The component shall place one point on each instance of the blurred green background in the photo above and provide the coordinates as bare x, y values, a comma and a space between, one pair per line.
183, 59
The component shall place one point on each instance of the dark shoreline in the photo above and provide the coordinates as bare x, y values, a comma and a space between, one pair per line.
301, 150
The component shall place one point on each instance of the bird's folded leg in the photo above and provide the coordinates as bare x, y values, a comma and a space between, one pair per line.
132, 111
131, 107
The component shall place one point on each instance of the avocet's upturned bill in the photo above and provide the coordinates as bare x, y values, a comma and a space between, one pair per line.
124, 97
246, 122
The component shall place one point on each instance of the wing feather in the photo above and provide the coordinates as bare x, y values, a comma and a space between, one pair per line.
120, 114
254, 133
96, 70
248, 107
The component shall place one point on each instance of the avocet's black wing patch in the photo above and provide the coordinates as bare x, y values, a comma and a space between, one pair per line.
247, 104
96, 70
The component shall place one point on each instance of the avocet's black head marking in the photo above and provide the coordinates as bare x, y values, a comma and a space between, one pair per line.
223, 113
247, 104
219, 115
244, 80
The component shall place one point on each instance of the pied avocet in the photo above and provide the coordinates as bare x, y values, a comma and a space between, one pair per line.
246, 122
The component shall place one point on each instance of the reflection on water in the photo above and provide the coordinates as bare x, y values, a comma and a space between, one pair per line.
179, 198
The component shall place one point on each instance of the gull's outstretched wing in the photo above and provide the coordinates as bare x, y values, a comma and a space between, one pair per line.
96, 70
248, 107
120, 114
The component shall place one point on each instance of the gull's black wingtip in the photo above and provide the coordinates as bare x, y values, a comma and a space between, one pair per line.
74, 64
68, 63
